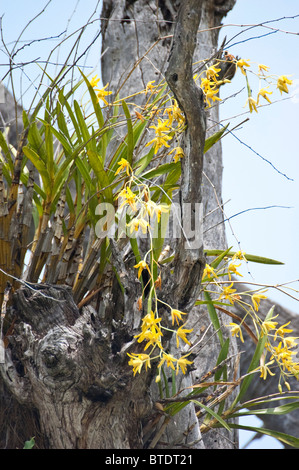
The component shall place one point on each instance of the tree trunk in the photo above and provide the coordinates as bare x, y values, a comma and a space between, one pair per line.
65, 364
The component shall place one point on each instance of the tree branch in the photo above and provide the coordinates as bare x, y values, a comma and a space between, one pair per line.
179, 76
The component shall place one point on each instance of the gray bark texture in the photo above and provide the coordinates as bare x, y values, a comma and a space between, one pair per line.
65, 378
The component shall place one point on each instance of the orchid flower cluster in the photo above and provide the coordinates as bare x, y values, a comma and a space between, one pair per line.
142, 216
280, 344
211, 81
265, 82
146, 213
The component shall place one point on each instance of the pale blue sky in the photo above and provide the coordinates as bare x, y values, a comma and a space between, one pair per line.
249, 181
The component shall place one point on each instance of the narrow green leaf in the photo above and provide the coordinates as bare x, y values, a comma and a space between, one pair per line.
6, 173
69, 200
62, 125
122, 150
263, 400
165, 379
110, 132
143, 163
261, 259
210, 141
6, 151
286, 438
88, 140
215, 302
252, 258
64, 102
29, 444
161, 170
254, 362
169, 185
215, 263
84, 170
277, 410
26, 121
212, 413
104, 182
135, 249
213, 316
95, 101
50, 152
40, 166
221, 357
61, 138
129, 138
99, 115
36, 141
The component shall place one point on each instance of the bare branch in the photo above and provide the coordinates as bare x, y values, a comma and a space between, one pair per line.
179, 76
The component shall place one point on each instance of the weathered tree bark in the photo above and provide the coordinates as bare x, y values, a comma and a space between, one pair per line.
67, 365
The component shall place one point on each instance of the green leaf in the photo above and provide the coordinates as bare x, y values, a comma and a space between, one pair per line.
104, 182
98, 113
253, 258
221, 357
129, 139
213, 316
285, 438
210, 141
41, 168
6, 151
254, 362
143, 163
122, 151
29, 444
263, 400
88, 140
84, 170
135, 249
26, 121
277, 410
160, 170
64, 102
61, 138
213, 413
215, 302
50, 151
36, 141
166, 384
62, 125
215, 263
95, 101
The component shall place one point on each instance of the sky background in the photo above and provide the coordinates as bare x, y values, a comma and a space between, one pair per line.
261, 164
